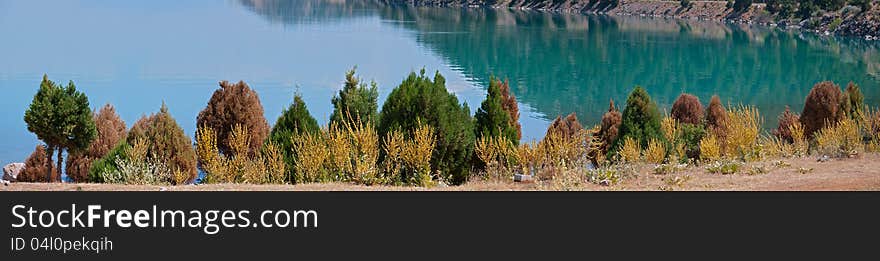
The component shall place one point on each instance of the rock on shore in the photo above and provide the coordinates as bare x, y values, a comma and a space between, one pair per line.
11, 171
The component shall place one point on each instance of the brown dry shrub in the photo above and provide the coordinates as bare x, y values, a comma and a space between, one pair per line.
166, 143
821, 106
229, 106
716, 116
509, 105
687, 109
111, 129
35, 167
786, 120
566, 127
610, 127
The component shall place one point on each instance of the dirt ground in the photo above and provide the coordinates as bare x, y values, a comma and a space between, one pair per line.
803, 174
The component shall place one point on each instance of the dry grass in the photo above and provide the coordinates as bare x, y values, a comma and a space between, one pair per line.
710, 148
842, 139
417, 156
497, 154
656, 152
670, 128
408, 161
267, 166
311, 152
630, 151
743, 127
837, 174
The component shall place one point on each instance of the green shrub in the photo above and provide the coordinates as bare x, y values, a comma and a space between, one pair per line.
356, 100
231, 105
641, 121
60, 117
166, 143
853, 101
689, 135
107, 163
491, 118
741, 5
419, 99
294, 120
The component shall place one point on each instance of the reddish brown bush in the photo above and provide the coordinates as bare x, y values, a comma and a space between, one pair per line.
786, 120
111, 129
234, 104
166, 142
567, 127
611, 121
509, 105
35, 167
821, 107
716, 116
687, 109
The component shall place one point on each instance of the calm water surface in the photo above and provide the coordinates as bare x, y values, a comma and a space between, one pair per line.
137, 55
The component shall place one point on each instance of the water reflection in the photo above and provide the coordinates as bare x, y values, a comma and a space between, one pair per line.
560, 63
310, 11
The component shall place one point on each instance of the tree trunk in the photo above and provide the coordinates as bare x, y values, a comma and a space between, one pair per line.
60, 160
49, 150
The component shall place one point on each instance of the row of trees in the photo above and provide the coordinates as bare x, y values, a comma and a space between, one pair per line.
690, 132
421, 135
99, 144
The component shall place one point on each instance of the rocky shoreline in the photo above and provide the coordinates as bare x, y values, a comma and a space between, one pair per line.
847, 22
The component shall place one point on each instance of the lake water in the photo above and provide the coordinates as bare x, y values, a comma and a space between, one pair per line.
137, 54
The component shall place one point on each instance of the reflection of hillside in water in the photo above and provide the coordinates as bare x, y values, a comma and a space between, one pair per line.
559, 63
586, 60
310, 11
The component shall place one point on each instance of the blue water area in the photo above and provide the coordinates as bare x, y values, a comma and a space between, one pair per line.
138, 54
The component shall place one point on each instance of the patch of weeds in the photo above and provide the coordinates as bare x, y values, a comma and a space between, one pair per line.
668, 168
566, 180
672, 182
758, 169
804, 170
781, 164
724, 167
611, 175
603, 176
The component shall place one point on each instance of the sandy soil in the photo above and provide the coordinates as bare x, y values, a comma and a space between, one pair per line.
837, 174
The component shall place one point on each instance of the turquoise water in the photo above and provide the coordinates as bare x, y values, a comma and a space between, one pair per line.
137, 55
